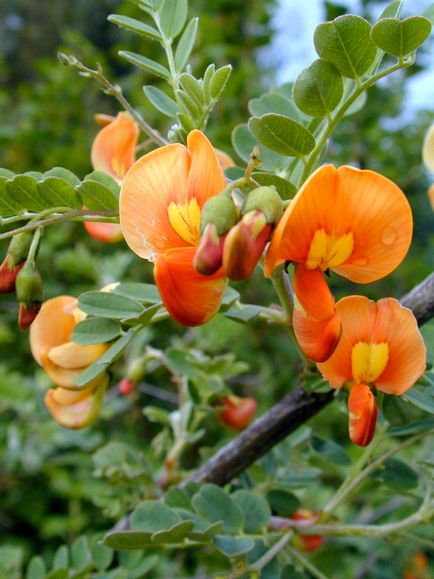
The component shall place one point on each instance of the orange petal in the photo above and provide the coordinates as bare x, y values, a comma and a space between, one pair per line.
313, 293
379, 216
53, 325
153, 182
311, 209
113, 150
317, 338
64, 377
362, 408
342, 201
206, 177
79, 414
190, 298
397, 326
105, 232
70, 355
384, 322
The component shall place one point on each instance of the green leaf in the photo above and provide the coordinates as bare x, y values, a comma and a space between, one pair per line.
233, 546
420, 399
98, 195
398, 412
157, 415
8, 204
207, 77
135, 26
91, 372
144, 318
429, 13
80, 553
218, 81
58, 192
401, 38
283, 502
146, 293
146, 64
161, 101
285, 189
332, 451
415, 428
229, 297
36, 568
95, 331
190, 106
301, 478
106, 180
23, 189
243, 313
193, 88
274, 102
127, 540
318, 88
175, 534
63, 174
61, 557
173, 14
282, 135
397, 475
347, 43
243, 142
256, 511
153, 516
116, 349
392, 10
185, 44
214, 505
102, 557
109, 305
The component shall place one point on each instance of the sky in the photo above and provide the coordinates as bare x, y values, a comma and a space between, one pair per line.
295, 22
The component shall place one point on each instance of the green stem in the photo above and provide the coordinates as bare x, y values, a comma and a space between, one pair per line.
72, 215
283, 290
271, 553
335, 119
34, 245
352, 481
305, 563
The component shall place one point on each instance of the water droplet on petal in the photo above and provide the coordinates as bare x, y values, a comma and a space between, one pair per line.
360, 261
388, 237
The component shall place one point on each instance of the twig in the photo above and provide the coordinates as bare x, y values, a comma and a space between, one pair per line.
305, 563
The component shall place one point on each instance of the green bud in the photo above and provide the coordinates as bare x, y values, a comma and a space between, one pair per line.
28, 285
267, 200
19, 247
137, 368
221, 211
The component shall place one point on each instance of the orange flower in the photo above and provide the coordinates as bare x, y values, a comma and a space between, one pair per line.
380, 346
64, 361
354, 222
113, 152
160, 206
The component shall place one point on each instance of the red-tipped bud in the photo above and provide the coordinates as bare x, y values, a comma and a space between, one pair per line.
105, 232
208, 258
244, 245
267, 201
126, 386
8, 275
221, 211
307, 542
363, 414
237, 412
29, 294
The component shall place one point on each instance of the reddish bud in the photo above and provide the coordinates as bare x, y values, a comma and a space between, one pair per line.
237, 412
8, 275
27, 314
307, 542
244, 245
126, 386
363, 414
208, 258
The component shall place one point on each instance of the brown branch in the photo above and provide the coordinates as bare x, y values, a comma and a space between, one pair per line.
287, 415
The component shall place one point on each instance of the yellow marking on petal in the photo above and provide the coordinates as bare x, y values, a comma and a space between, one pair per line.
327, 251
185, 220
368, 361
118, 167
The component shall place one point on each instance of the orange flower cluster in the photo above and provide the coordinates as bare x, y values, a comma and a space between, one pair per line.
64, 361
358, 224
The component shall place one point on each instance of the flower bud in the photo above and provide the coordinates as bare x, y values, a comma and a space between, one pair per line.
14, 261
268, 201
307, 542
244, 245
29, 294
126, 386
237, 412
363, 414
218, 215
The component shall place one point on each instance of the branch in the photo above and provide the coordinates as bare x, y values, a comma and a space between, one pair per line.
287, 415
